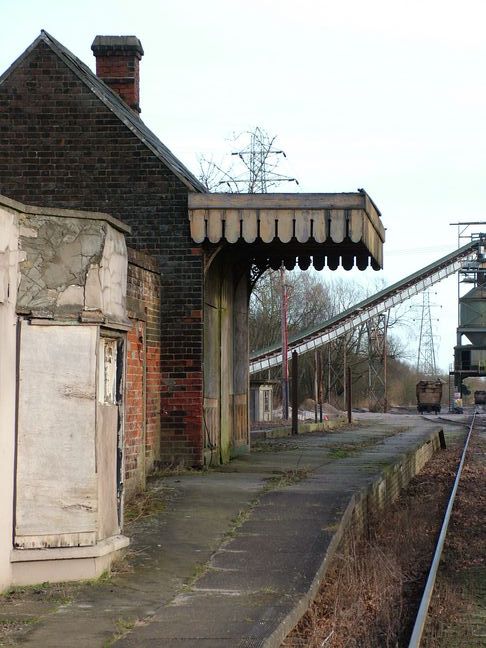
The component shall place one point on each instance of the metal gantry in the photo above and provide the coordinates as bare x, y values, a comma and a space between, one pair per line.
366, 310
336, 370
377, 351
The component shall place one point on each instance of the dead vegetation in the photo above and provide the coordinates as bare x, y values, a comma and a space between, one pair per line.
369, 598
457, 614
285, 478
144, 504
22, 607
272, 446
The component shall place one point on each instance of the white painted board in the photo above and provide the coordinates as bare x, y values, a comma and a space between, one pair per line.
56, 461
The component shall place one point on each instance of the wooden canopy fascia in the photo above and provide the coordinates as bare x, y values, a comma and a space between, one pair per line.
347, 223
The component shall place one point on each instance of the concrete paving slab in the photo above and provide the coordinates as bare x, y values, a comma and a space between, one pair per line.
230, 559
195, 616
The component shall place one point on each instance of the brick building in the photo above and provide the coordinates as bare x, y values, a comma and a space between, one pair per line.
68, 140
73, 139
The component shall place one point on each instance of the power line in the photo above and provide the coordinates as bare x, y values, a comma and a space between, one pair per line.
426, 363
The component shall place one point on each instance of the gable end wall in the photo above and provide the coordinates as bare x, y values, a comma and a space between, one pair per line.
60, 146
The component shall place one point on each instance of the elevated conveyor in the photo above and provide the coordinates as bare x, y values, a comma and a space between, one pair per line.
365, 310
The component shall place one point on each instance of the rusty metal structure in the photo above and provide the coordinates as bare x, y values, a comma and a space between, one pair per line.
377, 350
366, 311
470, 349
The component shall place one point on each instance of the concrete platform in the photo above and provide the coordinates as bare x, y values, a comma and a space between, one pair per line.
65, 563
240, 550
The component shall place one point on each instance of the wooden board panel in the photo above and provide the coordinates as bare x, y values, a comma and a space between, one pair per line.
211, 421
367, 233
267, 225
319, 225
338, 225
240, 408
232, 227
215, 225
302, 225
374, 217
356, 225
240, 336
56, 472
198, 225
277, 201
226, 364
106, 454
285, 224
250, 225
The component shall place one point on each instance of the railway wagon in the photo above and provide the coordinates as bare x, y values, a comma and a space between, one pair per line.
429, 395
480, 397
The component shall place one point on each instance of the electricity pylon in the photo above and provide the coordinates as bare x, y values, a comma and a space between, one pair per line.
426, 364
256, 169
260, 160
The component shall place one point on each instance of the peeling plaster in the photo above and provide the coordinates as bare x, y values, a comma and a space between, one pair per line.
72, 296
93, 292
71, 266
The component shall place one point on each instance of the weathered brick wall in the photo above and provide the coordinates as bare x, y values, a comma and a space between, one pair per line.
61, 146
142, 403
142, 400
370, 503
134, 445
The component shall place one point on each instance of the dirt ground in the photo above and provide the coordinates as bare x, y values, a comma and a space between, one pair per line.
371, 594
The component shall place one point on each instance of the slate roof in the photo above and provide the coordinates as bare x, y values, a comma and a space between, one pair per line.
116, 105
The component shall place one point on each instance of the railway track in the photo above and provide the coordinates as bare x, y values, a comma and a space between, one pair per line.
478, 419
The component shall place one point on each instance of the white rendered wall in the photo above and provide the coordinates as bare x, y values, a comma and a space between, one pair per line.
8, 296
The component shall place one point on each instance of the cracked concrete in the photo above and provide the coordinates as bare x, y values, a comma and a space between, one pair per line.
71, 266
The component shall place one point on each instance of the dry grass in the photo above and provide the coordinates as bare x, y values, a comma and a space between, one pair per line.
457, 615
285, 478
369, 598
360, 593
144, 504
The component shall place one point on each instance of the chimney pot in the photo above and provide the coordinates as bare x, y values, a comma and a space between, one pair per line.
117, 64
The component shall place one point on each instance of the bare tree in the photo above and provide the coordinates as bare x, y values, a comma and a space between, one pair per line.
251, 166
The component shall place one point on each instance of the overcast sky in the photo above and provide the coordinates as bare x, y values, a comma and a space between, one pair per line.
385, 95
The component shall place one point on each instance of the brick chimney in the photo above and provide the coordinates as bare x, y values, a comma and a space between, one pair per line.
117, 64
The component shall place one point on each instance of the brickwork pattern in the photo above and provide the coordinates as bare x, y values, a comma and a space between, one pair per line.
385, 490
122, 74
135, 409
60, 146
143, 356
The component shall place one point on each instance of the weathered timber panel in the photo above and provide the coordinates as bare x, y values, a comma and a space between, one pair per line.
211, 421
240, 364
240, 419
306, 224
106, 453
226, 363
56, 481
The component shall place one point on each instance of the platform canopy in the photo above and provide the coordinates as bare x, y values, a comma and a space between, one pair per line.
271, 229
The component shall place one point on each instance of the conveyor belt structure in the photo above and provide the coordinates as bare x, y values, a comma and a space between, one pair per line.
365, 310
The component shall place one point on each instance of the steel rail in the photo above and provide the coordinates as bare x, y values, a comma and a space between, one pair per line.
421, 617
